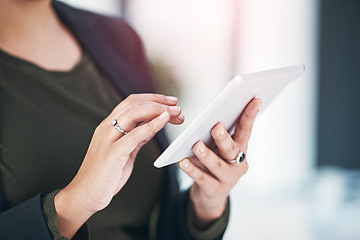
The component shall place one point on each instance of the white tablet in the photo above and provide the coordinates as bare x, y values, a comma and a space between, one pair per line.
226, 108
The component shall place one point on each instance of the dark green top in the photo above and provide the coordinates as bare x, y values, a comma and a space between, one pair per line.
47, 119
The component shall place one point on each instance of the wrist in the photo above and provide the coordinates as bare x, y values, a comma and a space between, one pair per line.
71, 212
207, 210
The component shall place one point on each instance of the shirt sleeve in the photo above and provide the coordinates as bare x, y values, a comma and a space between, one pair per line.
215, 230
50, 215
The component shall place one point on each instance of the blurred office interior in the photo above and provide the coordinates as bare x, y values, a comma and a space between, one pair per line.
304, 177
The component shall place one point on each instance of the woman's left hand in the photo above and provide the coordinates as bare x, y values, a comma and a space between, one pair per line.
214, 176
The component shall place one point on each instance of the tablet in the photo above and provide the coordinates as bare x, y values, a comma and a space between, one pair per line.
226, 108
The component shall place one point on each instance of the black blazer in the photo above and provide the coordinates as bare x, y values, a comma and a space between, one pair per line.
118, 53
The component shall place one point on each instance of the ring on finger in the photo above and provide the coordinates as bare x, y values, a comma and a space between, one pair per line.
240, 157
117, 127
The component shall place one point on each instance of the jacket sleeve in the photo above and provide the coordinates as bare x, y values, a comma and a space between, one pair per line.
34, 219
216, 229
25, 221
174, 221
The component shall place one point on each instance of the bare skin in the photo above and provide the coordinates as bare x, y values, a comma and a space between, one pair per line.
29, 29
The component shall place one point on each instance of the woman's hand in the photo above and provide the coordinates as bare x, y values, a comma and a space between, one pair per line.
110, 157
213, 175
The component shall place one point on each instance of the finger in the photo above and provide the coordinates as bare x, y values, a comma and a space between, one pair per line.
198, 163
129, 142
227, 147
146, 140
204, 180
177, 120
159, 98
245, 123
135, 99
130, 117
217, 166
146, 111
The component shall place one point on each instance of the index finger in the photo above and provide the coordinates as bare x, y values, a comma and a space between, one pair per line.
155, 97
135, 137
246, 121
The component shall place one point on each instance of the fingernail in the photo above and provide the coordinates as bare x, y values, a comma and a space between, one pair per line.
184, 164
202, 147
181, 117
175, 109
171, 99
163, 115
222, 131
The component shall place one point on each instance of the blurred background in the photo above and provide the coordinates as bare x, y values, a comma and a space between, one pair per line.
304, 153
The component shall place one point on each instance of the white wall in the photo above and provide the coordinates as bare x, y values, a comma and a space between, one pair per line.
195, 39
273, 34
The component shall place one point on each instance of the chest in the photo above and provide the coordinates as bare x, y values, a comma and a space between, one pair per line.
46, 123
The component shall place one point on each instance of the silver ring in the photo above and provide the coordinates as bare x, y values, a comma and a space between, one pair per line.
117, 127
240, 157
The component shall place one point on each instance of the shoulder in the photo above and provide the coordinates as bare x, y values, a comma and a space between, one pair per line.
112, 43
111, 29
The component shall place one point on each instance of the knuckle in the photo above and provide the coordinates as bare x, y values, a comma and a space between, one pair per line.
244, 167
129, 114
235, 180
127, 111
117, 107
244, 127
200, 177
230, 148
219, 164
103, 122
131, 97
247, 114
158, 108
134, 137
98, 129
233, 147
151, 127
157, 97
215, 164
102, 126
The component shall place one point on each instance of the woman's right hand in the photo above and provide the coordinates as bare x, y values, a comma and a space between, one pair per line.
110, 157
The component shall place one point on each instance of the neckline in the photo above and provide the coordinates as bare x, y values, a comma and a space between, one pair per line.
15, 61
